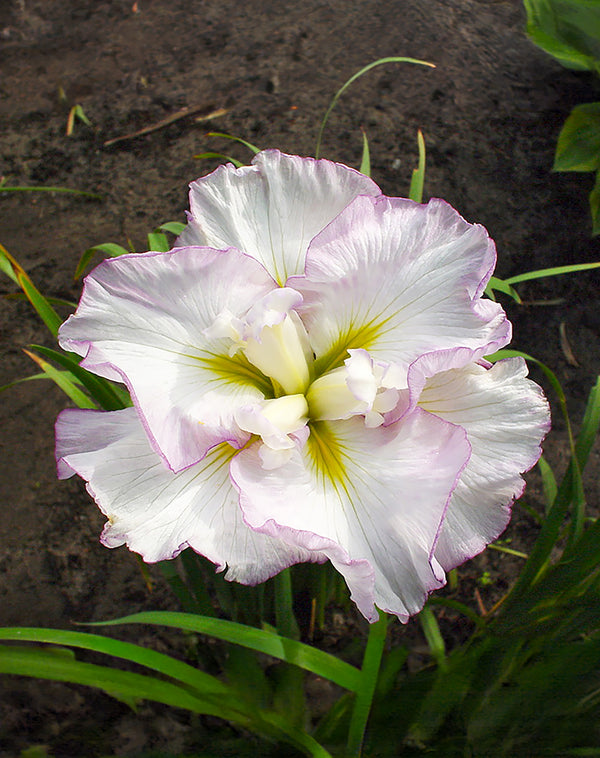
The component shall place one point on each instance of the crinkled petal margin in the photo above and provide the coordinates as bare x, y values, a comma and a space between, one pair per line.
370, 500
272, 209
506, 417
158, 513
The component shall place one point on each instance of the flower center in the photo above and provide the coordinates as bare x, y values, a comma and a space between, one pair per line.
280, 423
361, 386
274, 339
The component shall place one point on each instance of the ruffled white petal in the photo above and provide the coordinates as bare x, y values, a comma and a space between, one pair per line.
147, 319
157, 513
371, 500
272, 209
505, 416
399, 279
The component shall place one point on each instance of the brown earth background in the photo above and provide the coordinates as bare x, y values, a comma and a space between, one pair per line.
490, 111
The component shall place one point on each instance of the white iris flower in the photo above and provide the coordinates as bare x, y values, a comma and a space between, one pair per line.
308, 377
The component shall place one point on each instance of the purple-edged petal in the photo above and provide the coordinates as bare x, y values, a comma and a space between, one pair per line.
147, 319
272, 209
505, 416
399, 279
157, 513
370, 500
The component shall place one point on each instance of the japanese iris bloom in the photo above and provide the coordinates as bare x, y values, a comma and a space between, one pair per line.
308, 382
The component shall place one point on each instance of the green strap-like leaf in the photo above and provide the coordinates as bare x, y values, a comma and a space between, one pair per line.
6, 264
353, 78
546, 540
110, 397
124, 685
364, 694
59, 301
569, 494
158, 662
191, 689
291, 651
63, 190
23, 379
286, 622
43, 308
111, 249
417, 180
65, 380
431, 630
220, 157
249, 145
501, 286
555, 271
365, 163
505, 285
549, 484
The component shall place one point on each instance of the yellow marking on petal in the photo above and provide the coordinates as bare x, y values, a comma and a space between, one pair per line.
238, 370
326, 455
353, 338
217, 458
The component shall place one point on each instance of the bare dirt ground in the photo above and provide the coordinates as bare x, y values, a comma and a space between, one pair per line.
490, 112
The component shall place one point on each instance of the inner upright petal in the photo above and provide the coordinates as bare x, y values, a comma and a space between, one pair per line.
276, 340
278, 422
360, 387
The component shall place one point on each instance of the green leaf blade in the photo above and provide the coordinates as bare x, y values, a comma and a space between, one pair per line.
111, 249
41, 305
173, 227
249, 145
127, 686
417, 180
569, 30
353, 78
108, 396
158, 242
578, 146
157, 662
365, 163
285, 649
65, 381
543, 273
220, 157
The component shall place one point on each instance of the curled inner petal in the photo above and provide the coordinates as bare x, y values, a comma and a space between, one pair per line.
272, 338
275, 421
280, 355
360, 387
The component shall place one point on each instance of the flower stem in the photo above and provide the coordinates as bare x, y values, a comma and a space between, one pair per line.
285, 619
364, 695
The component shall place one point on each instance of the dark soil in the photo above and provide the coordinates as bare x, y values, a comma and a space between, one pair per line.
491, 112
